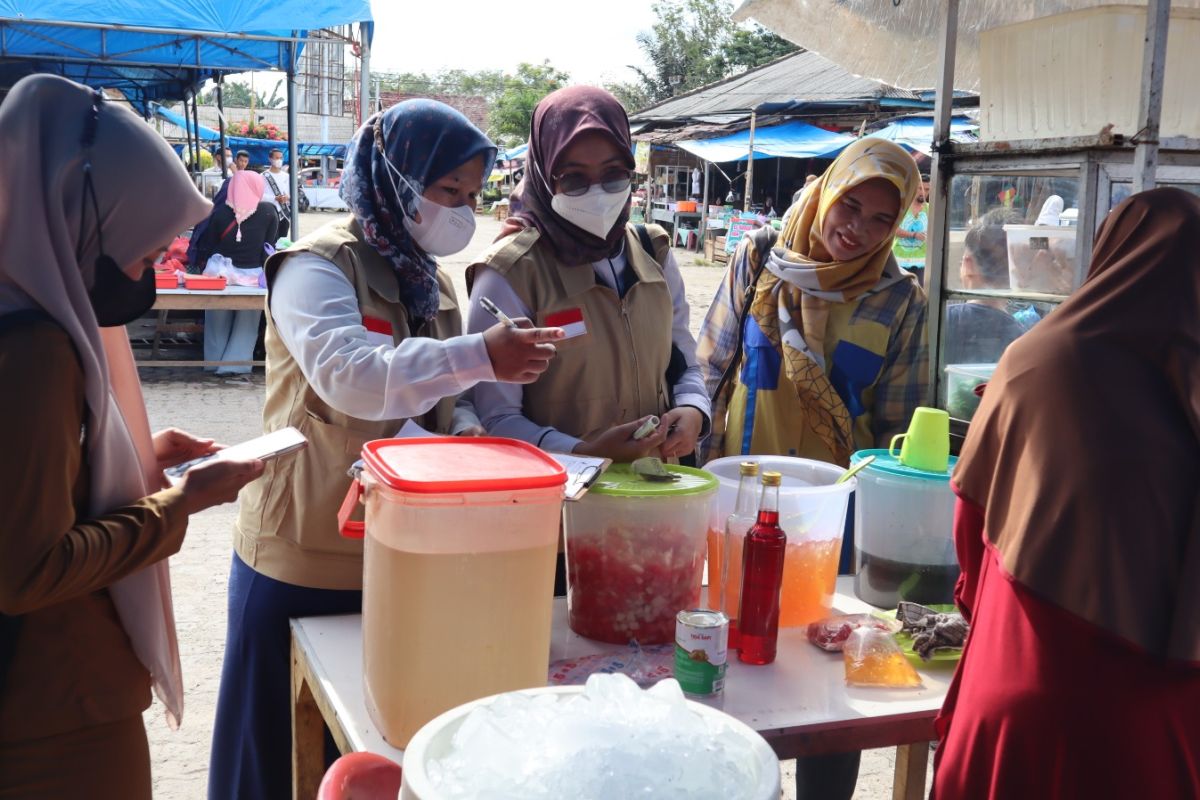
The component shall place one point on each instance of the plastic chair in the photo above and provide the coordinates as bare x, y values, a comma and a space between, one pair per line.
361, 776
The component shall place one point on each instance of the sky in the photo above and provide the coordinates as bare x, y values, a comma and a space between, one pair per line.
592, 40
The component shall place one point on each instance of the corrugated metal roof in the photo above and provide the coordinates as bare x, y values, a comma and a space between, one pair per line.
803, 76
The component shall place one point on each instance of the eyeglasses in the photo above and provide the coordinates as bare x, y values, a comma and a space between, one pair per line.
575, 184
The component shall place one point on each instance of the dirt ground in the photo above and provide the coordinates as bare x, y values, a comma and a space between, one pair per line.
205, 405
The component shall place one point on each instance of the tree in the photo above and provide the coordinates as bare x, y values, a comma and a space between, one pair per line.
632, 95
750, 48
235, 94
694, 43
513, 110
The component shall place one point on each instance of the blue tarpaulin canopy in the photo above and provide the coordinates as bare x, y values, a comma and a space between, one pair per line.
159, 49
916, 133
793, 139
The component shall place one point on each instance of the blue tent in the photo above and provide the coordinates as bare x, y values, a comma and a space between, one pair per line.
916, 133
793, 139
159, 49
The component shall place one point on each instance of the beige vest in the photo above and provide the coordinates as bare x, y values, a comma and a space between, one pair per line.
287, 527
613, 373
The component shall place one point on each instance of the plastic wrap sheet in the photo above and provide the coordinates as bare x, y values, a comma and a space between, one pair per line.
897, 42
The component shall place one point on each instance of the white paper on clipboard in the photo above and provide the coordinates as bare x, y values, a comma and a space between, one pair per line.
411, 430
582, 472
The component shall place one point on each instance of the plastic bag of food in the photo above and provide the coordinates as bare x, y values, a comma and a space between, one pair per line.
873, 658
831, 633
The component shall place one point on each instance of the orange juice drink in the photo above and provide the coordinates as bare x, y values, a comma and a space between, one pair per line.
809, 575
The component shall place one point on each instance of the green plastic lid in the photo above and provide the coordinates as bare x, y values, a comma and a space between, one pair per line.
619, 480
887, 463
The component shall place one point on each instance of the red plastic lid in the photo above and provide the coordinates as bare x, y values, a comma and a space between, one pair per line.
450, 464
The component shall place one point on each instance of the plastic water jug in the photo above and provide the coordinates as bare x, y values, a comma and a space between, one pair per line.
461, 538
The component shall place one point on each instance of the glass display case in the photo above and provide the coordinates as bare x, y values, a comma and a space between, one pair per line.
1020, 226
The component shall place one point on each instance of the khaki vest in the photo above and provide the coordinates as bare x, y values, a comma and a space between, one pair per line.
287, 527
616, 371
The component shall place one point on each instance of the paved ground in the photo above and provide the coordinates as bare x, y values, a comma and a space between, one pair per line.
231, 413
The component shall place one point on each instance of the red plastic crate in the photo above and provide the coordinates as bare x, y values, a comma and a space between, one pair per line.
166, 280
204, 282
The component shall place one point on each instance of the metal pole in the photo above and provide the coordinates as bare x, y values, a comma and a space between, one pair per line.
364, 106
293, 161
939, 203
196, 122
704, 210
750, 166
778, 166
221, 124
1154, 57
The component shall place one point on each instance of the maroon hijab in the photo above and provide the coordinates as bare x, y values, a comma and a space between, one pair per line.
559, 119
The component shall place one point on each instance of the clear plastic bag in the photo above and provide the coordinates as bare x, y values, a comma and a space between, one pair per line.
831, 633
873, 658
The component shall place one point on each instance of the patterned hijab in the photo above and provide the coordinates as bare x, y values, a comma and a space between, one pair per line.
802, 281
559, 119
1085, 452
423, 140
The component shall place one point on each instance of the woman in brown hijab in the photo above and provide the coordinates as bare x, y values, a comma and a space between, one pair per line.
1078, 534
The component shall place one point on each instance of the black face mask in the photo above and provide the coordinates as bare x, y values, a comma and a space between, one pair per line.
118, 299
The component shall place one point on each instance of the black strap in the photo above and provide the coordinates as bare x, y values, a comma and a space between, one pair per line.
747, 299
275, 190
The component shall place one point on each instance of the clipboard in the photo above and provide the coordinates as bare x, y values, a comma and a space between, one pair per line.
582, 472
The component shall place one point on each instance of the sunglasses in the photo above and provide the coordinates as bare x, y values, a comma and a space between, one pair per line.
575, 184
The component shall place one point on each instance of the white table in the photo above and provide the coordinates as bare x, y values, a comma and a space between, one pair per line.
800, 704
233, 298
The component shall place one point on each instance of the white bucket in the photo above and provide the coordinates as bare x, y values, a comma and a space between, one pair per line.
434, 742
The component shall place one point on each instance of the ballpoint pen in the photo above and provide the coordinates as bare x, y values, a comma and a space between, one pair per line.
495, 311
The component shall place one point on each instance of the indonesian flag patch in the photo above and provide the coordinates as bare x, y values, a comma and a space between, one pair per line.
379, 331
570, 320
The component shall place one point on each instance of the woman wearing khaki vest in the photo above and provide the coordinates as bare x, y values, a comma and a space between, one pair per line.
570, 259
363, 333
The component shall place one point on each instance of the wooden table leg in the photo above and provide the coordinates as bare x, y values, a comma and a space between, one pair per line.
308, 736
911, 763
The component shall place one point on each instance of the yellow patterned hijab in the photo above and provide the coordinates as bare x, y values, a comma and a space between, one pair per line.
801, 280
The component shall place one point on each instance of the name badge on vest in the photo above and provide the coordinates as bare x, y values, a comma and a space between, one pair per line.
570, 320
379, 331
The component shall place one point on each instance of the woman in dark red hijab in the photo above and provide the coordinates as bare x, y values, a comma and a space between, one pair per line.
569, 258
1078, 534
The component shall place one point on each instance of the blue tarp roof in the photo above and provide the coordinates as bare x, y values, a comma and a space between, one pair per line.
793, 139
158, 49
916, 133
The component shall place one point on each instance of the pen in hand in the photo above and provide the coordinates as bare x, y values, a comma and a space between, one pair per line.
495, 311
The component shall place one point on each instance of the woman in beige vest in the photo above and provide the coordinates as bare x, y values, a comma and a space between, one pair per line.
86, 519
571, 259
363, 333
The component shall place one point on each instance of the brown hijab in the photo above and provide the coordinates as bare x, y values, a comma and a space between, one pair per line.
559, 119
1085, 453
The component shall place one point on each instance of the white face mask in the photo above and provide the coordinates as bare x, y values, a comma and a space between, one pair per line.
276, 163
229, 162
595, 211
442, 231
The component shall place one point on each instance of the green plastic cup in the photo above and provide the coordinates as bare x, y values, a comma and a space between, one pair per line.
926, 445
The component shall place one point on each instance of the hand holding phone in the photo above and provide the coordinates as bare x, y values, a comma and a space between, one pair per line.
263, 448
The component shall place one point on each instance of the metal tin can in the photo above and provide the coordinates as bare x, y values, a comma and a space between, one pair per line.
701, 651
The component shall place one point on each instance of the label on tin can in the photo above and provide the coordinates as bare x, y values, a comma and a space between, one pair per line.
701, 651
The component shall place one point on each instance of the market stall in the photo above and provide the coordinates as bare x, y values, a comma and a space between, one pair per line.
1061, 142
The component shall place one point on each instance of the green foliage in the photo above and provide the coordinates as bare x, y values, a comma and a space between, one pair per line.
513, 110
695, 43
511, 97
235, 94
634, 96
206, 159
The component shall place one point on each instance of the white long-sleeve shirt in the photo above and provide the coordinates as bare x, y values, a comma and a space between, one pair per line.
499, 405
359, 373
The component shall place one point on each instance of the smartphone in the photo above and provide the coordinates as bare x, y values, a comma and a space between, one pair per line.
272, 445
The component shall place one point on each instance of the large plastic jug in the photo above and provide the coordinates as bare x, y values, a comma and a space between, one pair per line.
812, 512
461, 537
904, 533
